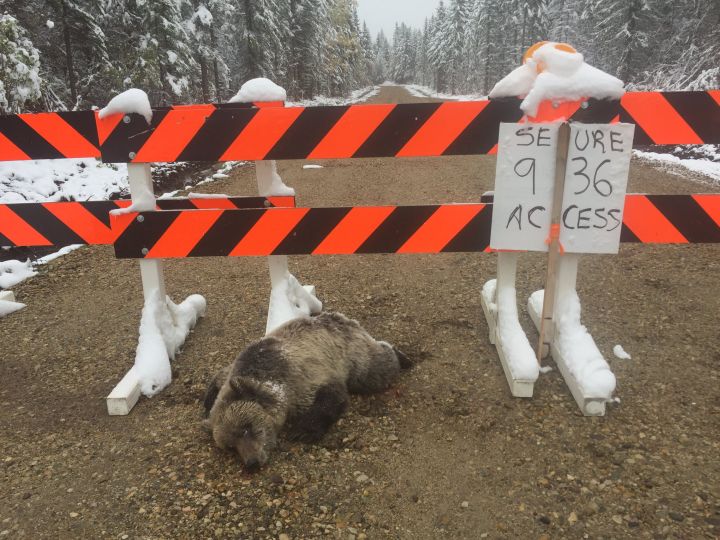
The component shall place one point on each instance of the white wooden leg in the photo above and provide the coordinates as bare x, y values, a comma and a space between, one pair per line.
500, 308
288, 299
127, 392
581, 364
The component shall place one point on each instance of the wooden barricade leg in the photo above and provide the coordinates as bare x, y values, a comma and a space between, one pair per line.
127, 392
586, 373
500, 306
288, 299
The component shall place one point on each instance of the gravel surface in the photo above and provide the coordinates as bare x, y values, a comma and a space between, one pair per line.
447, 453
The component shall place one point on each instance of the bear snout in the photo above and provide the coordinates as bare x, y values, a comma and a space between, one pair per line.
252, 465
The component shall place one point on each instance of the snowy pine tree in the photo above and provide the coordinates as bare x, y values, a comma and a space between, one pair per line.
19, 67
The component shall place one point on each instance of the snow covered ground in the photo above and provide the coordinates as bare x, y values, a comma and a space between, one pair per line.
417, 90
60, 179
707, 162
355, 97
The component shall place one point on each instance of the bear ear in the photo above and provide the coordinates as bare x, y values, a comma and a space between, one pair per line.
248, 390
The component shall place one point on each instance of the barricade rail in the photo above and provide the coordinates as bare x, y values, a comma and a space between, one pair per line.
66, 223
270, 132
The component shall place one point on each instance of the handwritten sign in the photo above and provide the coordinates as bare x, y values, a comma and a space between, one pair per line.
595, 185
524, 182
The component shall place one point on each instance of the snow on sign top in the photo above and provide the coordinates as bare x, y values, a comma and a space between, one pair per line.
130, 101
556, 71
261, 89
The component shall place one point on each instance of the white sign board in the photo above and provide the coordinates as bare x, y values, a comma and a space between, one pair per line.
524, 181
595, 185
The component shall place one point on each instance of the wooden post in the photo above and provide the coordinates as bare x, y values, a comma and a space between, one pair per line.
547, 330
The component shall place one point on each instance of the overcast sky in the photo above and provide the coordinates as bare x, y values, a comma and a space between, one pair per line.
383, 14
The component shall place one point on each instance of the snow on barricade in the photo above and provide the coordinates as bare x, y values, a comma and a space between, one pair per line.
556, 71
143, 200
289, 300
519, 355
577, 347
164, 326
259, 90
130, 101
276, 188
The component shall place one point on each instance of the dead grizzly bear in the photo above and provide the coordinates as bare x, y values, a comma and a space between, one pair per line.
297, 378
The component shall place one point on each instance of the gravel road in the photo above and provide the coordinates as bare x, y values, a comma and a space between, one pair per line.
447, 453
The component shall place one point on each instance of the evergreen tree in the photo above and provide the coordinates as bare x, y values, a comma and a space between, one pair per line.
19, 67
76, 49
438, 53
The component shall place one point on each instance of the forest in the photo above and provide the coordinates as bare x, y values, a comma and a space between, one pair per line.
73, 54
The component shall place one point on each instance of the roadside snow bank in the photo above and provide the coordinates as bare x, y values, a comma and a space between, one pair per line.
556, 71
133, 100
164, 326
706, 167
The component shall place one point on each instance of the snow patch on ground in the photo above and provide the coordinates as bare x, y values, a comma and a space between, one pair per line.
620, 353
707, 167
54, 180
62, 251
7, 307
260, 89
13, 272
130, 101
221, 173
164, 326
355, 97
312, 166
420, 91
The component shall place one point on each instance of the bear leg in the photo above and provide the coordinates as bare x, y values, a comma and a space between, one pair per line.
213, 389
383, 367
330, 403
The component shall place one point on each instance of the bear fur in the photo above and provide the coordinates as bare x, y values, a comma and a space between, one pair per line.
296, 378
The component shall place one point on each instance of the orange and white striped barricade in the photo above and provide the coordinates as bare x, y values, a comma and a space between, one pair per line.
265, 134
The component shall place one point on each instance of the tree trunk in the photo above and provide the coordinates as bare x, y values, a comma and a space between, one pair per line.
253, 70
216, 69
626, 59
204, 83
69, 55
